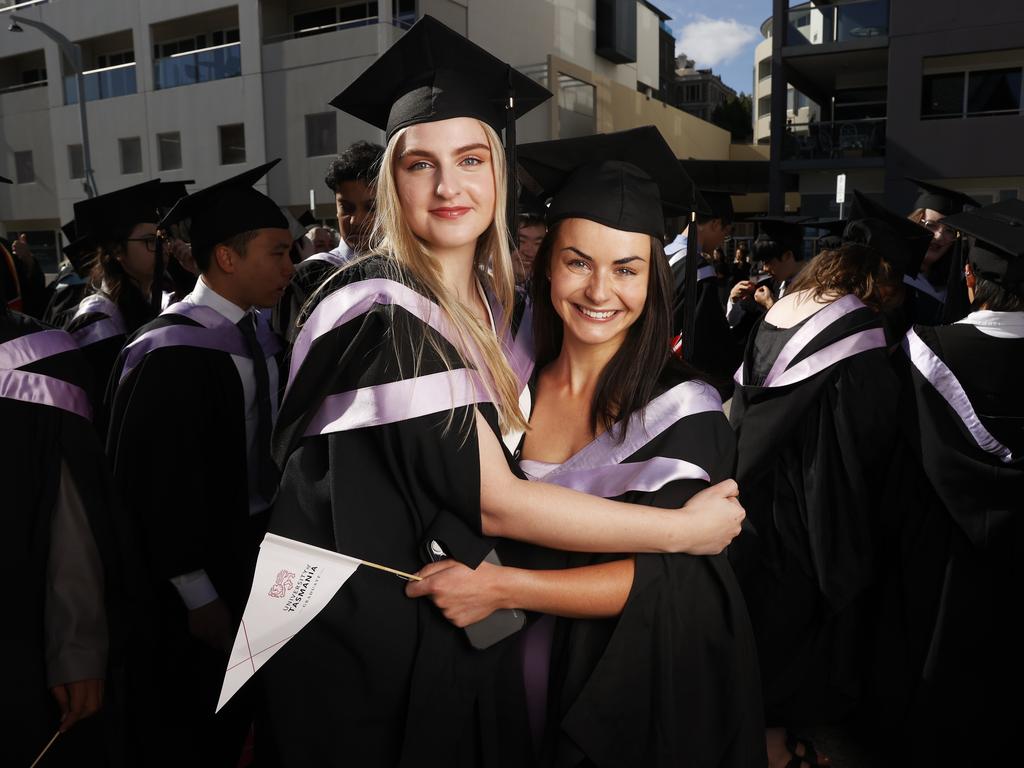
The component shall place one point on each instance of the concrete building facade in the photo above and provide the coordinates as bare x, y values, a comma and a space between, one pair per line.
203, 89
931, 89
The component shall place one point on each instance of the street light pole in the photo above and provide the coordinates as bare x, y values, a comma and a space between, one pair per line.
73, 53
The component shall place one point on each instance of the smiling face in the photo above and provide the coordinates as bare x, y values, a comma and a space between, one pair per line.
445, 182
599, 280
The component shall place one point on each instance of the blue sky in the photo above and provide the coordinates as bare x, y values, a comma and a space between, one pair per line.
720, 34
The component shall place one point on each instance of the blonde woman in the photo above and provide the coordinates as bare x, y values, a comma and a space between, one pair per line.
402, 381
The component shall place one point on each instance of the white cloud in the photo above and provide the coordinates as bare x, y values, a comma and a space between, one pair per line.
711, 42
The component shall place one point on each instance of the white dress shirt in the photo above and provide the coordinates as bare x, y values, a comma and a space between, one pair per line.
1001, 325
195, 588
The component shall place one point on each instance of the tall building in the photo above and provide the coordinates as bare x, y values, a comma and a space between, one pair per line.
922, 88
799, 109
204, 89
697, 91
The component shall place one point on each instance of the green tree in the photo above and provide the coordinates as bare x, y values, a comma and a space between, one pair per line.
737, 117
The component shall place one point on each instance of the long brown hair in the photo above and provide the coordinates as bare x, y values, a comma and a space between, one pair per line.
852, 269
630, 379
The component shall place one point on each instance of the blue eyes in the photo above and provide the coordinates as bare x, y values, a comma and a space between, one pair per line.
420, 165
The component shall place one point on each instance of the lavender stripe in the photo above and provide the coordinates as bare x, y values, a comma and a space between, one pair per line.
32, 347
356, 299
686, 399
331, 258
922, 284
518, 349
815, 325
98, 303
615, 480
397, 401
218, 339
738, 377
863, 341
44, 390
705, 272
102, 329
938, 374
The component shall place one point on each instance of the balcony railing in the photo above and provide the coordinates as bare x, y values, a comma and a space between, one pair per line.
841, 139
402, 21
23, 86
855, 20
204, 65
103, 83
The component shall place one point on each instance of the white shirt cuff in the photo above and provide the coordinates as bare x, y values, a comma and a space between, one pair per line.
195, 589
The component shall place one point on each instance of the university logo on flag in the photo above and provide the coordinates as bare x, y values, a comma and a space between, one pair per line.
292, 584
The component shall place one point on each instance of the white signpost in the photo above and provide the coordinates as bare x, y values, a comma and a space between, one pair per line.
841, 192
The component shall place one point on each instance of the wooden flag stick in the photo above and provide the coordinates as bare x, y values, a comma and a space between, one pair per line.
45, 750
402, 574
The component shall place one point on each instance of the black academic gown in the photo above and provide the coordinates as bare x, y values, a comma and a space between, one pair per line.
102, 355
308, 277
376, 679
23, 284
36, 439
65, 292
715, 351
811, 456
674, 679
177, 447
949, 665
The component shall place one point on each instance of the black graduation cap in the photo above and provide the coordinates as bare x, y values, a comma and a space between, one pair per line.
307, 219
902, 242
5, 180
786, 231
78, 249
833, 228
171, 192
228, 208
720, 204
998, 229
111, 216
628, 180
433, 73
945, 201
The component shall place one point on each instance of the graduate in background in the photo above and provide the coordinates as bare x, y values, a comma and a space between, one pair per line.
654, 663
56, 501
351, 179
389, 435
943, 265
122, 227
953, 518
814, 413
714, 351
72, 282
198, 493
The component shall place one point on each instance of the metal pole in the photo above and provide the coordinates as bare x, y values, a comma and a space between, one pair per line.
73, 53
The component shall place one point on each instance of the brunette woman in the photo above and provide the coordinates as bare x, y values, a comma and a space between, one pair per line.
653, 662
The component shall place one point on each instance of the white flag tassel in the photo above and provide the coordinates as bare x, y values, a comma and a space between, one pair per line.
292, 584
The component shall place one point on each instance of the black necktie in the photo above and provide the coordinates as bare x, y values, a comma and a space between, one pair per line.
267, 472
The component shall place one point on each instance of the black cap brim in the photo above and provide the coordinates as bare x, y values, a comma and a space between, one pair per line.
945, 201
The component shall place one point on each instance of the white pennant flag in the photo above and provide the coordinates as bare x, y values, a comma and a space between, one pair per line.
293, 583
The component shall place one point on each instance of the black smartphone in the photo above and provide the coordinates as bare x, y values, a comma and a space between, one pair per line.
496, 627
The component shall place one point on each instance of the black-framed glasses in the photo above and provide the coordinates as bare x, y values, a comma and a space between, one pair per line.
150, 241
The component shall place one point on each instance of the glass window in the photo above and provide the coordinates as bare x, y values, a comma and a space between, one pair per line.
576, 115
76, 161
131, 154
764, 69
24, 168
232, 144
943, 95
357, 11
321, 134
304, 24
993, 92
168, 147
764, 105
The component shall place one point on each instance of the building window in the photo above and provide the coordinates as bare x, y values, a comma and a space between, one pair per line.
975, 93
232, 144
576, 114
322, 20
321, 134
24, 168
691, 94
764, 69
76, 161
168, 147
131, 154
115, 59
764, 105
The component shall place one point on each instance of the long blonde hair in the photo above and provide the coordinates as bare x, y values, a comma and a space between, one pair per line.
409, 257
